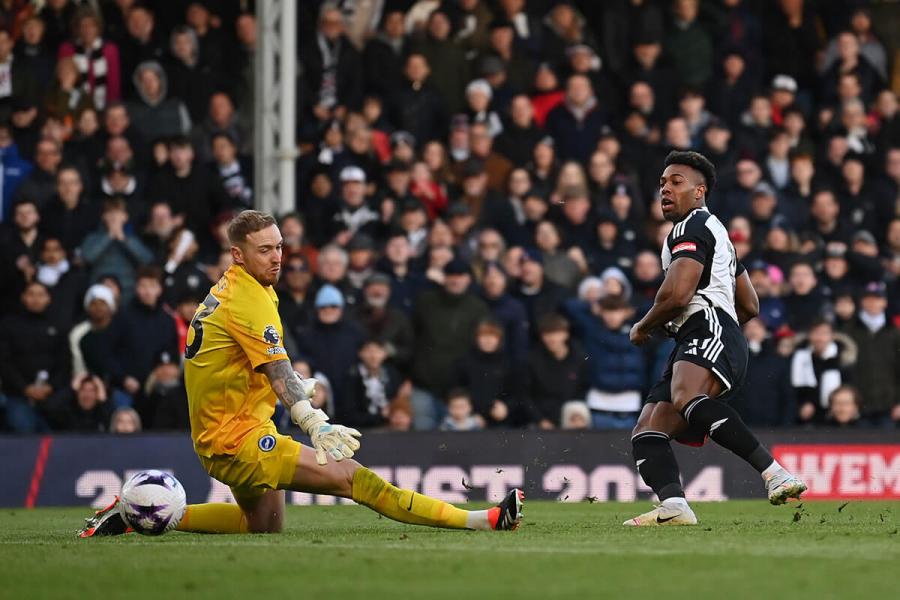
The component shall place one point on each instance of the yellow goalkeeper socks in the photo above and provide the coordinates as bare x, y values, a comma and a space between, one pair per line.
213, 518
407, 506
369, 490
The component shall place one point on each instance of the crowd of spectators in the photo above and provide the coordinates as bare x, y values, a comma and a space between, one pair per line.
476, 224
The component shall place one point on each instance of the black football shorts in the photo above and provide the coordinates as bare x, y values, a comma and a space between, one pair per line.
712, 339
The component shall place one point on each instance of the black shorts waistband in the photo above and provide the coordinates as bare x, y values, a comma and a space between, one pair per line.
699, 320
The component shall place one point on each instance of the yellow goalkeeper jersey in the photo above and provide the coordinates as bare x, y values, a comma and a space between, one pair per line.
235, 330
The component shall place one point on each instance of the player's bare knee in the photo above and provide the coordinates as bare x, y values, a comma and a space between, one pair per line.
681, 395
639, 428
680, 399
644, 419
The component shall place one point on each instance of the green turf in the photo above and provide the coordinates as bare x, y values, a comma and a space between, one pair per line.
741, 549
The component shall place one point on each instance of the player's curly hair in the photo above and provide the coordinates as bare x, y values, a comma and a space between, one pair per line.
247, 222
696, 161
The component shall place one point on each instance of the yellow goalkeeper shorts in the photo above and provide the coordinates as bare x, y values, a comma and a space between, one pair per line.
266, 460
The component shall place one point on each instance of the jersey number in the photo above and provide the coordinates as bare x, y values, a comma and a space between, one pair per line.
208, 306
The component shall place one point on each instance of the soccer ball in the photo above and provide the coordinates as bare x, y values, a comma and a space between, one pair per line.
152, 502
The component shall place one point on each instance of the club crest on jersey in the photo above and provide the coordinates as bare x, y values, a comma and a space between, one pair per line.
267, 443
270, 334
689, 246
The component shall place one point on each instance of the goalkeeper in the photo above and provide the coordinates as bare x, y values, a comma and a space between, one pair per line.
235, 368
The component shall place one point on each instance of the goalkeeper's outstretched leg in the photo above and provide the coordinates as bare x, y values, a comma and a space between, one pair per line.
264, 513
262, 510
349, 479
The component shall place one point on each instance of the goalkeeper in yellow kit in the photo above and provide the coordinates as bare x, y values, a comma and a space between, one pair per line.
235, 368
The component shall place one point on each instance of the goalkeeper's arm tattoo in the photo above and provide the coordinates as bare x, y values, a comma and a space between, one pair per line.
284, 381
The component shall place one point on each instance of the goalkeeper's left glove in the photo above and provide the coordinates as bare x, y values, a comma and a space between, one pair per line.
335, 440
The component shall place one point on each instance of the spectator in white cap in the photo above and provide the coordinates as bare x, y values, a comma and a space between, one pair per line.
354, 213
482, 86
575, 415
478, 99
352, 174
100, 307
99, 292
783, 94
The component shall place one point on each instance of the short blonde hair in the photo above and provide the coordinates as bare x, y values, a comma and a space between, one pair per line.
124, 412
247, 222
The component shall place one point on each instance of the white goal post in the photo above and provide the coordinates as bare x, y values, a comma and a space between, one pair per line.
275, 105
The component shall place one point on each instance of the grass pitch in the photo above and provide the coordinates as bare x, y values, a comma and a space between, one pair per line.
741, 549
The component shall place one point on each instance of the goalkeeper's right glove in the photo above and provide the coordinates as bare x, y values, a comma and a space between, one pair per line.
336, 441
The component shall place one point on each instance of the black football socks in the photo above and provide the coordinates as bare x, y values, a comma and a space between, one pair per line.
726, 428
656, 463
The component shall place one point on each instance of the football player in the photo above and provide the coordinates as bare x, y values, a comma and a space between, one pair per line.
235, 369
705, 295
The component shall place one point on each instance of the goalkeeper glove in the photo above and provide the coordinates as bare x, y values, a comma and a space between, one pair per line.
335, 440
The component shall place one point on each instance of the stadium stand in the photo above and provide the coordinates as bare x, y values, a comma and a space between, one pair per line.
476, 223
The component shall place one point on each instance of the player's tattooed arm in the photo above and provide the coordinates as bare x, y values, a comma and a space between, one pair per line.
327, 439
285, 382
